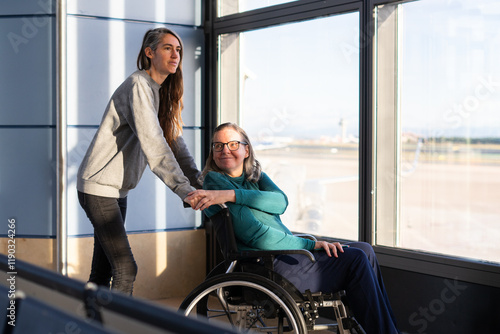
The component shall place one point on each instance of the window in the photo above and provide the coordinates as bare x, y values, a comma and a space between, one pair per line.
434, 138
437, 131
295, 89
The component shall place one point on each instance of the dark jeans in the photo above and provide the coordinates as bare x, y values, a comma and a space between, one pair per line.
356, 271
112, 256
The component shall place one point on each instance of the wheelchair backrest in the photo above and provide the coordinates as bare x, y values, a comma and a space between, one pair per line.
224, 231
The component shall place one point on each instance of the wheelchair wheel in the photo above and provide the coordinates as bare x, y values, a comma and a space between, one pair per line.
247, 302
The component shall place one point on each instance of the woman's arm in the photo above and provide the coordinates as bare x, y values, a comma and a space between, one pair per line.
218, 190
268, 197
250, 231
255, 228
143, 120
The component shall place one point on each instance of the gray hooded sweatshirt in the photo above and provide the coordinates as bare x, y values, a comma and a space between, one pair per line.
128, 139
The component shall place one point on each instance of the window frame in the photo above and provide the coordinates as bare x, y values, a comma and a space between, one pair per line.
469, 270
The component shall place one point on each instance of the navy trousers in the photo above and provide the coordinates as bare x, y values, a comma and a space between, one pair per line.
356, 271
112, 258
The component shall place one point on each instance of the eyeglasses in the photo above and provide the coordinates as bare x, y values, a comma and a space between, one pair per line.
231, 145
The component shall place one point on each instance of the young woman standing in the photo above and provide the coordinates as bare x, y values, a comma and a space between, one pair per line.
141, 126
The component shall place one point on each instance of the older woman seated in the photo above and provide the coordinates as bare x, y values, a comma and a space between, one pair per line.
233, 176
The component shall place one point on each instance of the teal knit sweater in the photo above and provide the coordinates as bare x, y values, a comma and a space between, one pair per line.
255, 213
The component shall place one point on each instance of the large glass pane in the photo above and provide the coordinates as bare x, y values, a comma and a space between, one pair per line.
23, 35
117, 42
295, 89
445, 127
152, 206
185, 12
27, 187
228, 7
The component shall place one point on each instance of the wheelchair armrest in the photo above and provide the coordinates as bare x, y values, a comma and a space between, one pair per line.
306, 236
255, 254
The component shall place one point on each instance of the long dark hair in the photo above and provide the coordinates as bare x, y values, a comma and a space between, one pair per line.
251, 166
172, 89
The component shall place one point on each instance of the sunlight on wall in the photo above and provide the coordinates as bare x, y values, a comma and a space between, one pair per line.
72, 69
116, 46
160, 11
161, 218
161, 253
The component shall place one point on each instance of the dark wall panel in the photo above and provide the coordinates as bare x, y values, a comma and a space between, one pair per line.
435, 305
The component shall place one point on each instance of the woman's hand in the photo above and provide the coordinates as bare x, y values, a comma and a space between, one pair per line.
189, 201
202, 199
330, 247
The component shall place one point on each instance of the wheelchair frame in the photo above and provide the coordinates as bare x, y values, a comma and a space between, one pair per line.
246, 292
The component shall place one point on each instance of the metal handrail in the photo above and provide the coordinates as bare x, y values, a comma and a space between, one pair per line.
117, 302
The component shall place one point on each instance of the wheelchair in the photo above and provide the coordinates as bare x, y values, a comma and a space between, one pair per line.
244, 292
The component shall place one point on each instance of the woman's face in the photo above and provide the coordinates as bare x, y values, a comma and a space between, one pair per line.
231, 162
166, 58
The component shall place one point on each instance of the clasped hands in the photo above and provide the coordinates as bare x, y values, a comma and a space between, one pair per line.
202, 199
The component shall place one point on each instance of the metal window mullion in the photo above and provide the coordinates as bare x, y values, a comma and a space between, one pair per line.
366, 128
398, 116
61, 145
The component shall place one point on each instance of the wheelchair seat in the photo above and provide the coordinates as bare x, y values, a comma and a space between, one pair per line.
246, 293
